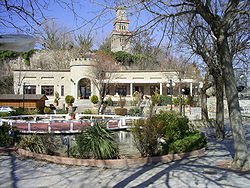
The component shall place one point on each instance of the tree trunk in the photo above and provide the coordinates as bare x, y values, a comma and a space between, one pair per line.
220, 133
204, 112
241, 156
102, 94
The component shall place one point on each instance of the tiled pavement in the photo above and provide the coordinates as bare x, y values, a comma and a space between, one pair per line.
192, 172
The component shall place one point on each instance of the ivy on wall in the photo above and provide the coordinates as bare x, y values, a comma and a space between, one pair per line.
7, 54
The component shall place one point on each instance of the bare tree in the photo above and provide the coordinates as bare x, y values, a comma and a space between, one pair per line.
84, 41
225, 21
144, 43
106, 45
55, 36
103, 73
201, 42
30, 12
183, 69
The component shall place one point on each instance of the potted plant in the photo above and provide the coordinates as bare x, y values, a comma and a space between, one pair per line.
94, 99
56, 100
69, 100
109, 101
46, 110
121, 111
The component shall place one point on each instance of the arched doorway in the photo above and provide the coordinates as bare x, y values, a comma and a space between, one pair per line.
84, 86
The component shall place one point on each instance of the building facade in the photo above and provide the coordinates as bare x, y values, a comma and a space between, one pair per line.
78, 81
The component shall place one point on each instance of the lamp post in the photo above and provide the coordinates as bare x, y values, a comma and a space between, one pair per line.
183, 102
241, 83
170, 86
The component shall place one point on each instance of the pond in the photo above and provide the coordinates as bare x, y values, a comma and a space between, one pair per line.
62, 142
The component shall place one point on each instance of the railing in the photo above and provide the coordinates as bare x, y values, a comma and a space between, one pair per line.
59, 123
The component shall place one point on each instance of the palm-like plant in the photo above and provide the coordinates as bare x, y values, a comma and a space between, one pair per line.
97, 143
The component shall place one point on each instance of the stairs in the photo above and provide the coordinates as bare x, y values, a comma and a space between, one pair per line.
83, 104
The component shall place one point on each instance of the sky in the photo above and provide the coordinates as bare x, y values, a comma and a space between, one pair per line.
87, 10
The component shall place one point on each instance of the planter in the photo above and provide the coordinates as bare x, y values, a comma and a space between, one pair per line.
121, 111
69, 104
110, 163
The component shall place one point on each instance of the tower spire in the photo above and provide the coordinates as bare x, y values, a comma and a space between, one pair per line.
120, 36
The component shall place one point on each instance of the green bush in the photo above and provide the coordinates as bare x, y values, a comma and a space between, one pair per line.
165, 100
87, 111
69, 99
6, 139
46, 110
123, 57
44, 144
56, 101
176, 101
146, 135
97, 143
5, 114
175, 126
109, 101
156, 98
189, 143
21, 111
121, 111
134, 111
32, 143
94, 99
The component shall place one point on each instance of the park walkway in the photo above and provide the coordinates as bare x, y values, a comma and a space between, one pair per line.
201, 171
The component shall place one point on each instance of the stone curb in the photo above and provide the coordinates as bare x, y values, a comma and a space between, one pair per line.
112, 163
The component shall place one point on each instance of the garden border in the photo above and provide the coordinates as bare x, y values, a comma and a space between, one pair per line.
112, 163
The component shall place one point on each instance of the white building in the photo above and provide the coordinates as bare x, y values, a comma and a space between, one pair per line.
78, 81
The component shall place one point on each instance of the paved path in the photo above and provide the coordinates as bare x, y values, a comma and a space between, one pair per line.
191, 172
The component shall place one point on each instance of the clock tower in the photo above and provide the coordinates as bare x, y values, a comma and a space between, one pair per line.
120, 36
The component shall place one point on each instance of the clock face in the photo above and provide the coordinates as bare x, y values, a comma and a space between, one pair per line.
121, 14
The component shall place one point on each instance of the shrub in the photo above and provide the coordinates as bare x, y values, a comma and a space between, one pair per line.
87, 111
56, 101
46, 110
175, 126
8, 136
97, 143
146, 135
176, 101
121, 111
44, 144
165, 100
134, 111
32, 143
109, 101
189, 143
69, 99
136, 98
6, 114
94, 99
21, 111
156, 98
